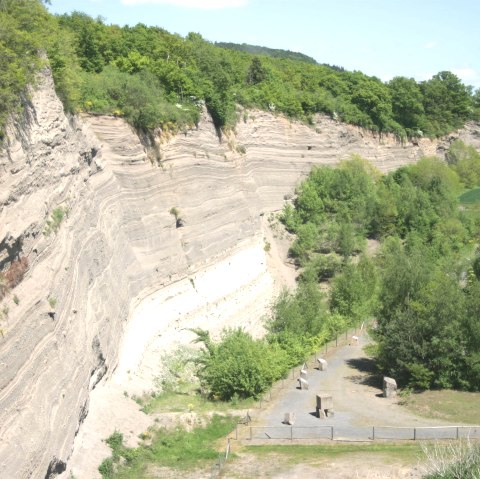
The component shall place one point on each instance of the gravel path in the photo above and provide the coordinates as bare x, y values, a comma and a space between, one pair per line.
357, 400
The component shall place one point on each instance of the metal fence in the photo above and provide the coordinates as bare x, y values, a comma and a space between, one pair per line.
222, 458
362, 433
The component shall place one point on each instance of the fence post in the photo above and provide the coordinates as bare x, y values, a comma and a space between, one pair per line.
251, 433
457, 432
336, 340
291, 433
373, 433
227, 451
236, 431
331, 433
414, 433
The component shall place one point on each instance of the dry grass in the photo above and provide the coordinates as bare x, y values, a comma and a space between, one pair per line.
452, 406
452, 460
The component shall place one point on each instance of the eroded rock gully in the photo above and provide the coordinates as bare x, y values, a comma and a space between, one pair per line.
118, 282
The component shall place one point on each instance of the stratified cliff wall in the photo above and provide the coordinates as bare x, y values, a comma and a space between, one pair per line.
119, 247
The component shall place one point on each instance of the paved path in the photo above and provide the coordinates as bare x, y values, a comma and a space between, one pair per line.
357, 399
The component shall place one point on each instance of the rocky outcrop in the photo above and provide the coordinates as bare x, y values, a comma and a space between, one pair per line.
119, 246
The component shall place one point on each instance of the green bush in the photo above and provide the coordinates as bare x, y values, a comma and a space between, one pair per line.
239, 366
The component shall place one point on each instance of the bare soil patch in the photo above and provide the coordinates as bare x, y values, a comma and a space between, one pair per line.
311, 462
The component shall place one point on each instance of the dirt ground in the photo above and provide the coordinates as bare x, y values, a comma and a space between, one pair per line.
357, 465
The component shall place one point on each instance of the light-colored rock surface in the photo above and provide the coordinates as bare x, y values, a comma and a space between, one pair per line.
126, 280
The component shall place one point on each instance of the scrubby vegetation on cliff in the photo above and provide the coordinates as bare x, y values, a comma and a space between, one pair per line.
155, 78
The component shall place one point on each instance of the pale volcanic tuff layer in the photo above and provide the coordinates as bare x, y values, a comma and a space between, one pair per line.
119, 243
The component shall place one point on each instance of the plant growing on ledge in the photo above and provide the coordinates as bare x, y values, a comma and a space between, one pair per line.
175, 212
56, 218
52, 301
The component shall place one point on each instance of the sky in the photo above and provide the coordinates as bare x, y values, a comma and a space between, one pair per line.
384, 38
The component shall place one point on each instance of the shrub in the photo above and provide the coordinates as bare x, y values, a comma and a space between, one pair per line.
56, 218
239, 366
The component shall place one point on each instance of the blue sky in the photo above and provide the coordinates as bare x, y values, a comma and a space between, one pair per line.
385, 38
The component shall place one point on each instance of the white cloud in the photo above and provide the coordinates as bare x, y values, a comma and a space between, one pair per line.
430, 45
469, 76
200, 4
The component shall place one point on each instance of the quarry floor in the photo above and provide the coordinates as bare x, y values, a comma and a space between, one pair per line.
356, 391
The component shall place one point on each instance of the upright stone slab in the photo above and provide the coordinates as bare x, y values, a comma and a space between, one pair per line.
324, 401
354, 339
303, 383
322, 364
389, 387
289, 418
303, 374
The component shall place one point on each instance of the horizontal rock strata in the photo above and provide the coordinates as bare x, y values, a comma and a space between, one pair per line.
139, 225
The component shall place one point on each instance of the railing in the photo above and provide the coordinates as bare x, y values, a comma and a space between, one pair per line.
272, 433
223, 456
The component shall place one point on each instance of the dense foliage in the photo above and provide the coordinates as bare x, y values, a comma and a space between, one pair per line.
269, 52
155, 78
238, 365
427, 304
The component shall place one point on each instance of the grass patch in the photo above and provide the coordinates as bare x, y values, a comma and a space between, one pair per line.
452, 406
176, 449
306, 453
470, 196
189, 400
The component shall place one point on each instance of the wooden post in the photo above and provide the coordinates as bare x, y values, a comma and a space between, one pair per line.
291, 433
251, 433
457, 432
414, 433
331, 433
373, 433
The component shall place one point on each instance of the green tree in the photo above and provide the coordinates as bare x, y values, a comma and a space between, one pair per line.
239, 366
407, 105
256, 72
354, 294
447, 103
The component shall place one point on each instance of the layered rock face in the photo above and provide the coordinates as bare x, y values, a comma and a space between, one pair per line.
120, 246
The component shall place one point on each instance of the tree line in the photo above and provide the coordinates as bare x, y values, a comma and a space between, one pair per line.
154, 78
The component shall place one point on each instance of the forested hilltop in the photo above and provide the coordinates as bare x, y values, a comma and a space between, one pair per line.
155, 78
